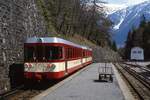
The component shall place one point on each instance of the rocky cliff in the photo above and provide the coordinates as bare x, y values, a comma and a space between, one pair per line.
18, 19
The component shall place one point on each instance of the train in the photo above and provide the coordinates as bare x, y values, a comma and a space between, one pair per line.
137, 54
53, 58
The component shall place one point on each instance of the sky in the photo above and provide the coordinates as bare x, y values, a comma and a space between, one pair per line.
124, 2
113, 5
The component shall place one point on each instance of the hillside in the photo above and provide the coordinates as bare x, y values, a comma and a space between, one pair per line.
128, 18
75, 17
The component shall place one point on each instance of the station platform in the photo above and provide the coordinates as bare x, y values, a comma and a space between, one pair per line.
85, 86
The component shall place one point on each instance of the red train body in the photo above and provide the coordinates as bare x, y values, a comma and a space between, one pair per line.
53, 58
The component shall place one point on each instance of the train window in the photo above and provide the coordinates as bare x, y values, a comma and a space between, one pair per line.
83, 53
76, 52
29, 53
134, 51
53, 52
72, 52
139, 51
67, 54
39, 51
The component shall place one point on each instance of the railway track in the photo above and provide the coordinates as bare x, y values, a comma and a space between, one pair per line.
26, 92
11, 92
139, 84
22, 95
143, 73
139, 66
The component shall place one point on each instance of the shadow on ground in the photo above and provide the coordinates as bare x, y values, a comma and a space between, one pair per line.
102, 81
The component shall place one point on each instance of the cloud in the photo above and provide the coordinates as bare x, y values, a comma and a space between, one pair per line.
125, 2
115, 5
133, 2
110, 8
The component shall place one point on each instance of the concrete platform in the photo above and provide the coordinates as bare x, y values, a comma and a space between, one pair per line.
84, 86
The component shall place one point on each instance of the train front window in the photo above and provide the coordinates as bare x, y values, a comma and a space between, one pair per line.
30, 53
53, 52
39, 51
42, 53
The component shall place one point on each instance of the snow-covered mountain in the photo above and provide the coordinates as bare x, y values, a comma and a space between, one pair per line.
111, 8
127, 18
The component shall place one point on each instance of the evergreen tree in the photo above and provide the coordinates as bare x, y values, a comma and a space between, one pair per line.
146, 41
128, 45
114, 46
143, 21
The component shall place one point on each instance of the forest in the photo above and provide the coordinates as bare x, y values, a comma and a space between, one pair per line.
85, 18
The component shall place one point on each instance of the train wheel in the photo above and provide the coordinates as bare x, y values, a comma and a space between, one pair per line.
111, 78
100, 78
28, 83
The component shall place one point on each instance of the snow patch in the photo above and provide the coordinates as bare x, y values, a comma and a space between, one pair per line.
116, 27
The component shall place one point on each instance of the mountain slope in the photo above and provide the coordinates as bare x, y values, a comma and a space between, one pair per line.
127, 18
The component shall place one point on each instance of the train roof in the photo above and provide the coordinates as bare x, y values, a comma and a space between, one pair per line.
53, 40
137, 48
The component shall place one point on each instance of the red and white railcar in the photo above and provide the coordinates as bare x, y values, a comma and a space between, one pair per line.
53, 58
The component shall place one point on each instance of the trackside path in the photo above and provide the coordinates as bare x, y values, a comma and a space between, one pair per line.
85, 86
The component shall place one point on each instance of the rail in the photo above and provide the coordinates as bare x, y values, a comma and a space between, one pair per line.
11, 92
139, 84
